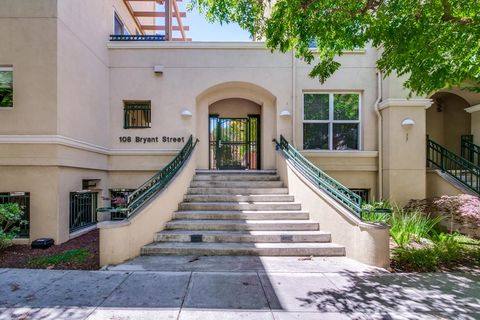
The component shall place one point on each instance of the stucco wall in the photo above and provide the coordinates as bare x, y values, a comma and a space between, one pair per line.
234, 108
447, 120
42, 183
28, 38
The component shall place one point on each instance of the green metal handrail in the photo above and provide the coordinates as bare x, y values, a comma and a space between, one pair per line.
351, 200
153, 185
469, 150
456, 166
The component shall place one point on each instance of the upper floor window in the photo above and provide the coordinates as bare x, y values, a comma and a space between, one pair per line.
137, 114
331, 121
119, 27
6, 87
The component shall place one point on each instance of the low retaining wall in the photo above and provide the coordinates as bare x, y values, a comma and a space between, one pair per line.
364, 242
122, 240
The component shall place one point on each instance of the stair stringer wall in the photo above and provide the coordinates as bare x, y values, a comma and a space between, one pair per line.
441, 184
364, 242
121, 241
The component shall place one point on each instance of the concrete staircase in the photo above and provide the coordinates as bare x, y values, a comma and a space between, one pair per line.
241, 213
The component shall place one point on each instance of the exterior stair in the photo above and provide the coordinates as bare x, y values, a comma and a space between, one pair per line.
241, 213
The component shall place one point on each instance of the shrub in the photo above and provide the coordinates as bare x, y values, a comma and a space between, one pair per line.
372, 211
461, 212
464, 206
446, 251
408, 226
10, 219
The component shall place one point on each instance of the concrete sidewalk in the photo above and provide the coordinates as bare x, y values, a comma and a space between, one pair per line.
246, 288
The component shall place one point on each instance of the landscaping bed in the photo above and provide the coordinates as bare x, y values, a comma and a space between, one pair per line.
81, 253
422, 241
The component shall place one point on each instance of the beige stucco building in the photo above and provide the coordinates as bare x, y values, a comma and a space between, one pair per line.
89, 113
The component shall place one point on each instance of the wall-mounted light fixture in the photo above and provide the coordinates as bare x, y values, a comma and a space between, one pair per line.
408, 123
285, 114
186, 114
158, 69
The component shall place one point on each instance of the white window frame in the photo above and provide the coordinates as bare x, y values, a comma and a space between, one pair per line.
125, 29
331, 121
8, 68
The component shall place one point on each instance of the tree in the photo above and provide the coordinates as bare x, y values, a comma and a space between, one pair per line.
435, 43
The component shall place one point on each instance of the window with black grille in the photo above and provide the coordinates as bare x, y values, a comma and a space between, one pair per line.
137, 114
364, 193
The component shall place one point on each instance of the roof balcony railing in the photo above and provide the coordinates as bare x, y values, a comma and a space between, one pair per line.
137, 37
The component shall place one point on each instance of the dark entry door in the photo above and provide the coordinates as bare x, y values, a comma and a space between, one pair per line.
234, 143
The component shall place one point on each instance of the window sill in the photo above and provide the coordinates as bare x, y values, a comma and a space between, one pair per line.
6, 108
339, 153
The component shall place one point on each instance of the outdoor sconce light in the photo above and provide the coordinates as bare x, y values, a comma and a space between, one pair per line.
285, 113
408, 123
186, 114
158, 69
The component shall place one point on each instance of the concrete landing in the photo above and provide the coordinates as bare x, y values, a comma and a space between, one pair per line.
245, 264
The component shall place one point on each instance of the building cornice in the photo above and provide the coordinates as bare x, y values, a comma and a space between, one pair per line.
473, 109
82, 145
425, 103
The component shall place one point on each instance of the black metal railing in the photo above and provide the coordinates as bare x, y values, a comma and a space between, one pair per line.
469, 150
464, 171
23, 200
146, 191
137, 37
83, 208
348, 198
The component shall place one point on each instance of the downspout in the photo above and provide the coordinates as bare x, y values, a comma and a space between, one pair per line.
380, 137
294, 100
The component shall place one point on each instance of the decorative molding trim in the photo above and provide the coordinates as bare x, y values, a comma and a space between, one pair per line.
143, 152
339, 154
186, 45
82, 145
473, 109
425, 103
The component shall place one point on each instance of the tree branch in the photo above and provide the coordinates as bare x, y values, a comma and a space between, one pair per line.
449, 17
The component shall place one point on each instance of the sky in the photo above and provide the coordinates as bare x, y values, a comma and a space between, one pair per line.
201, 30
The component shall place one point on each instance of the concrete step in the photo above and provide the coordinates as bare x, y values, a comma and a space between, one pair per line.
236, 184
244, 236
239, 206
245, 225
238, 198
237, 191
236, 177
257, 249
243, 172
242, 215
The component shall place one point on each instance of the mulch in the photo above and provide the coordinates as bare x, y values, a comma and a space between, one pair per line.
18, 256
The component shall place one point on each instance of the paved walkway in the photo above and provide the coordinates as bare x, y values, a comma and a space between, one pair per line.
227, 288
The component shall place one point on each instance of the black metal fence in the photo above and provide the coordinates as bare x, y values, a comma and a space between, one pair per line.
83, 210
23, 200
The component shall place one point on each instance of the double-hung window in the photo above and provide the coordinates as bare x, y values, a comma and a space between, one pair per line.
331, 121
6, 87
137, 114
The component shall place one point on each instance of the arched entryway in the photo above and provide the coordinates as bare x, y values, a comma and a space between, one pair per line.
236, 123
447, 120
234, 135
